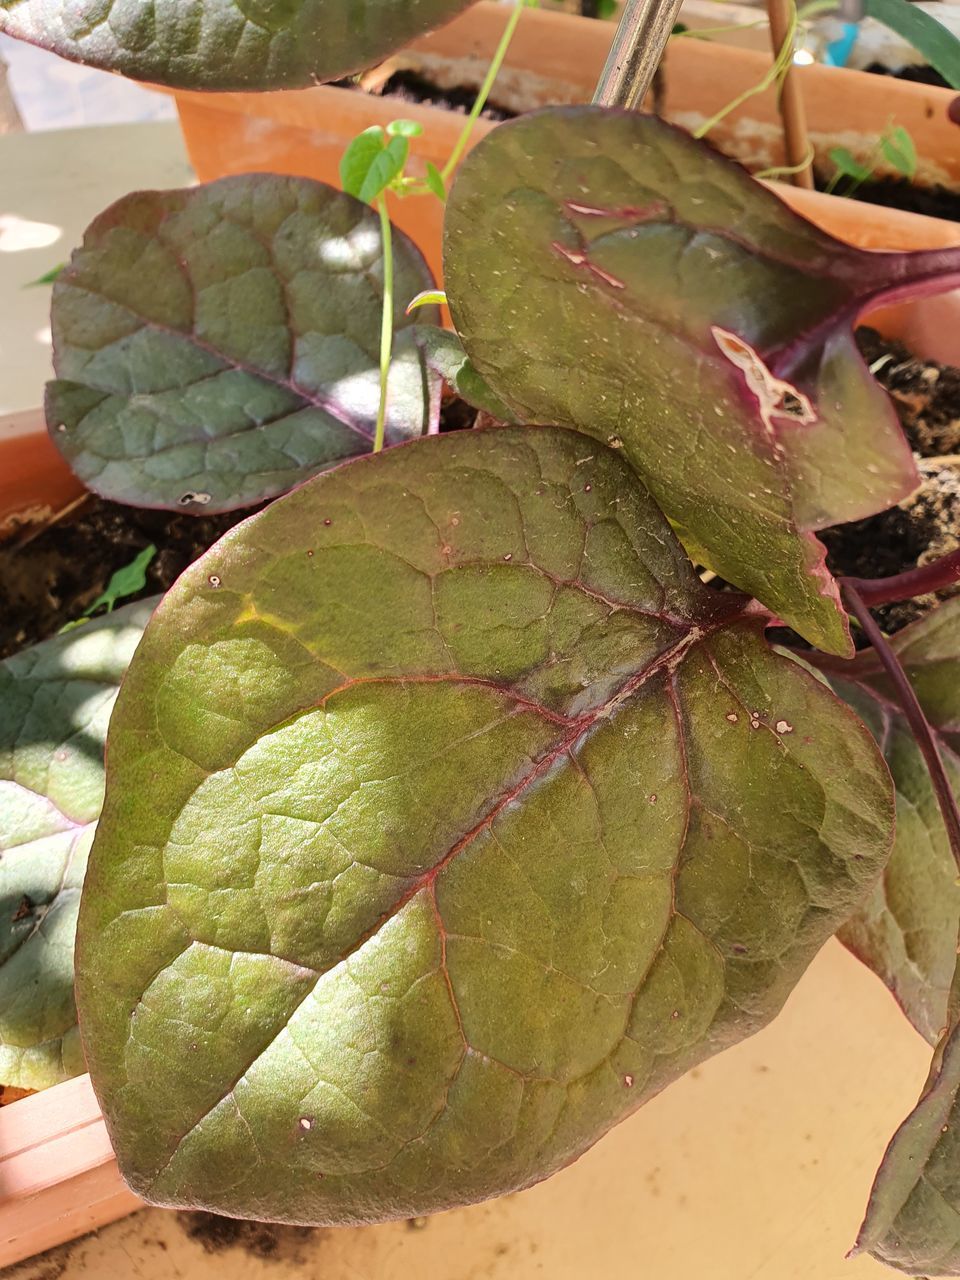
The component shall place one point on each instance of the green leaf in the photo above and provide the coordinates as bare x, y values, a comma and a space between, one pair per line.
356, 161
937, 43
434, 180
404, 129
444, 354
607, 272
125, 582
216, 346
48, 277
907, 929
449, 818
225, 44
899, 150
55, 702
428, 298
385, 167
847, 165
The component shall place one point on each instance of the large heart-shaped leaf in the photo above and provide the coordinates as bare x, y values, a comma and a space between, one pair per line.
55, 704
218, 345
448, 818
607, 272
225, 44
907, 930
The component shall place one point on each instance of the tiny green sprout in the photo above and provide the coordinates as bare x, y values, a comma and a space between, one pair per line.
895, 145
48, 277
125, 582
900, 152
428, 298
375, 159
404, 129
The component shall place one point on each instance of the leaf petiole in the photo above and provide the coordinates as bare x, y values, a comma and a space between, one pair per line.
912, 710
936, 576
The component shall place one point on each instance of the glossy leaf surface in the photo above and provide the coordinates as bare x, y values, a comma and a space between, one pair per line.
907, 930
449, 817
225, 44
218, 345
55, 703
606, 272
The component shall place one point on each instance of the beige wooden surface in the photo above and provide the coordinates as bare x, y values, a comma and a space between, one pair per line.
51, 186
754, 1167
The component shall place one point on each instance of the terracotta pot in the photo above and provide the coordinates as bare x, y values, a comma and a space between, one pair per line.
556, 58
35, 482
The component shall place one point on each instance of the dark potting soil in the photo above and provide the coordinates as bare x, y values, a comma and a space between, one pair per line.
407, 86
899, 193
49, 576
925, 525
49, 580
918, 75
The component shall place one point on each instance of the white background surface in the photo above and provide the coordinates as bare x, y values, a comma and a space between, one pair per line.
93, 138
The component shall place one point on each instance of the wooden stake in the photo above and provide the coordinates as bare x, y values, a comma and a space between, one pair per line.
795, 137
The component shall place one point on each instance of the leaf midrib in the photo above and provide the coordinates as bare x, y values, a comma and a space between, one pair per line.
666, 662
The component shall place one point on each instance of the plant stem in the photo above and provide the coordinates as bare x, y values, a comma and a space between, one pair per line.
386, 320
481, 101
904, 586
781, 65
912, 709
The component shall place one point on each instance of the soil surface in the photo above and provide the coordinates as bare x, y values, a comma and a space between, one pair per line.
407, 86
899, 193
918, 75
50, 579
49, 576
262, 1239
926, 525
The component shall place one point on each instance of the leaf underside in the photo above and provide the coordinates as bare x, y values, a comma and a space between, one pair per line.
608, 273
448, 818
55, 703
225, 44
907, 931
215, 346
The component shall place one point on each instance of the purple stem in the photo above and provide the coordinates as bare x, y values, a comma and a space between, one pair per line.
919, 724
905, 586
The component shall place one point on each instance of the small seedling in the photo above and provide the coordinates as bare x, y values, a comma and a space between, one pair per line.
895, 145
128, 581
